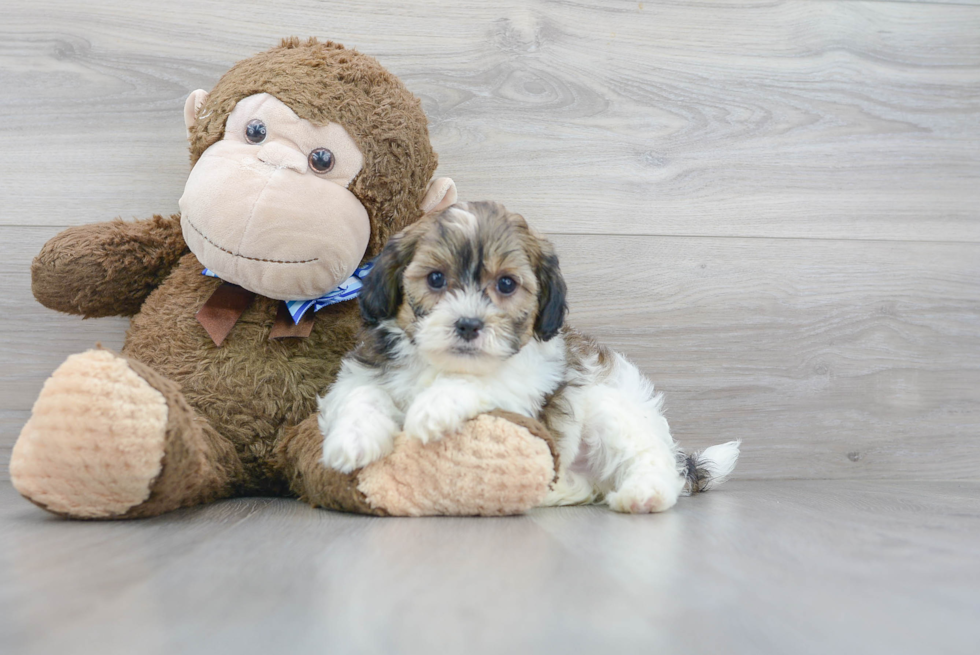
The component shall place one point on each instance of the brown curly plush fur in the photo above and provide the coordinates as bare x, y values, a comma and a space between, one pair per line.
241, 418
250, 387
90, 270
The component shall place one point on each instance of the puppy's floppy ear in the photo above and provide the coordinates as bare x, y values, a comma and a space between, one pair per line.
551, 294
381, 294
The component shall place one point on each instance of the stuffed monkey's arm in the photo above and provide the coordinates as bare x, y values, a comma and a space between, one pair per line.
106, 269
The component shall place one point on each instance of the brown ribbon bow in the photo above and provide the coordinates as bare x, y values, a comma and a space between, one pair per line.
229, 301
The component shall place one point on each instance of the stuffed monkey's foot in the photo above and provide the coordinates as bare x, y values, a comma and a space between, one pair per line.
110, 437
95, 441
497, 464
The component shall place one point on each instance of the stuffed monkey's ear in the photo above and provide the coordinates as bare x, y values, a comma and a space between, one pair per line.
193, 104
440, 194
381, 294
551, 295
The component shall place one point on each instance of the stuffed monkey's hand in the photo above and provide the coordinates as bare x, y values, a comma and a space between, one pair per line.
106, 269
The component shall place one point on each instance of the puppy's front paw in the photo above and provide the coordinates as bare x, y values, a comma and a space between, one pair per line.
431, 417
646, 492
354, 443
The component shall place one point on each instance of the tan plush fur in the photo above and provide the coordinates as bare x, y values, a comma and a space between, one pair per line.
175, 420
499, 464
464, 474
327, 83
115, 434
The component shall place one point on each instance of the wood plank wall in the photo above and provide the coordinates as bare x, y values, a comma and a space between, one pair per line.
772, 207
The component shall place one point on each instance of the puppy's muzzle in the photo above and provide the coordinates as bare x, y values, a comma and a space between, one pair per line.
468, 329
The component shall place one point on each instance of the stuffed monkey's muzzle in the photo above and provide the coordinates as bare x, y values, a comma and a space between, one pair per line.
258, 222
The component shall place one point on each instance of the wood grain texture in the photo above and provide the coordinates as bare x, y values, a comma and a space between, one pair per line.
754, 567
830, 359
771, 207
798, 119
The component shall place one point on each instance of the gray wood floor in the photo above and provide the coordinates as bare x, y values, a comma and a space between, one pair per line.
756, 567
772, 207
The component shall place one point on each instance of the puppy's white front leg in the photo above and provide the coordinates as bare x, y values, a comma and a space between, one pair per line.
442, 409
359, 425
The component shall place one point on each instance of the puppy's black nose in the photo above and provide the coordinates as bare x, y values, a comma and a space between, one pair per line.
469, 328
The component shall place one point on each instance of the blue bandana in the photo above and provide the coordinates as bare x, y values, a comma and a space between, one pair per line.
348, 290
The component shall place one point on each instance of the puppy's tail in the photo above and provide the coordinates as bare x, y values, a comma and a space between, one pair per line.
708, 468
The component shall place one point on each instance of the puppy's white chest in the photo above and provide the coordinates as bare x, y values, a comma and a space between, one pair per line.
520, 384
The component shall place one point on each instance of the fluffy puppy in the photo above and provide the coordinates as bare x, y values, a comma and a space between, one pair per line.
464, 314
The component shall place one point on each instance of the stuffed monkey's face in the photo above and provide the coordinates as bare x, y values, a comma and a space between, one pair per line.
268, 208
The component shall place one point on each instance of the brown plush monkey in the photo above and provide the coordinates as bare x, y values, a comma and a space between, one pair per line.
305, 158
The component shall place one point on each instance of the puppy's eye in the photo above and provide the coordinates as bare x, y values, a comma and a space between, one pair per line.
436, 280
506, 285
321, 160
255, 131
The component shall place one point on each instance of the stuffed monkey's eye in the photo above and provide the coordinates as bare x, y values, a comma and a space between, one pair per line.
436, 280
321, 160
506, 285
255, 131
